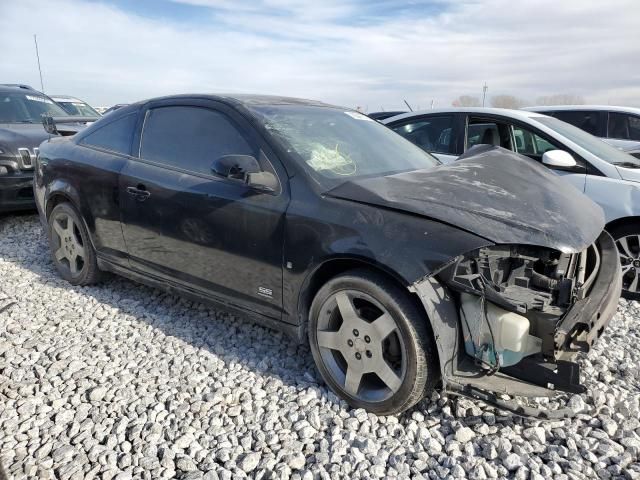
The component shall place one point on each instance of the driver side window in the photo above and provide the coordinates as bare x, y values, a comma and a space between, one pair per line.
191, 138
531, 144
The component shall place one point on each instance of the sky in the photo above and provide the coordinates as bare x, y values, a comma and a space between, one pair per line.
369, 53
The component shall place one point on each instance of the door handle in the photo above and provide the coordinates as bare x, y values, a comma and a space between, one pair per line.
140, 193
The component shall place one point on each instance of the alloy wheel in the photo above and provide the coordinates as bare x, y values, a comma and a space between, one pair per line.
361, 346
629, 250
70, 250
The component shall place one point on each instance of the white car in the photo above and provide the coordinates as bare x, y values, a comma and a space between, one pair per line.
607, 175
618, 126
74, 106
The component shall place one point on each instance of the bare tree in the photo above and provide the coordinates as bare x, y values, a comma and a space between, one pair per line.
560, 99
507, 101
466, 101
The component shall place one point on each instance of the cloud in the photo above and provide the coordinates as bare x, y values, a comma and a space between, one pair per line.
373, 54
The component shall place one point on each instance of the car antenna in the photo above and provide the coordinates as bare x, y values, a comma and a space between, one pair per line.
35, 40
407, 104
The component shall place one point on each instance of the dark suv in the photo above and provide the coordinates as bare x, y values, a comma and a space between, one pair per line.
21, 131
488, 274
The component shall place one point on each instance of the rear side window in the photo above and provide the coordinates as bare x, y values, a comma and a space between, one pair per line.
587, 121
623, 126
190, 138
432, 134
114, 136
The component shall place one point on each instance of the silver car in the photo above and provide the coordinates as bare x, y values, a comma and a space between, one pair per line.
618, 126
607, 175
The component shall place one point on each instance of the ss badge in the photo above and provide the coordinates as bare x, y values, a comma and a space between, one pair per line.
265, 292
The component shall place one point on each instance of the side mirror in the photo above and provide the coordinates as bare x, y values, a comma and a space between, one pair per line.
558, 159
236, 167
264, 181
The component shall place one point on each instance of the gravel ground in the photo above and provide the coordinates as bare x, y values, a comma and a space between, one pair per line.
123, 381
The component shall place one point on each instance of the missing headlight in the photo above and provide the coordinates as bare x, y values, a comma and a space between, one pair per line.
512, 298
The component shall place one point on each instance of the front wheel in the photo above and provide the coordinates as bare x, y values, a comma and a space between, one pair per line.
371, 343
627, 238
71, 249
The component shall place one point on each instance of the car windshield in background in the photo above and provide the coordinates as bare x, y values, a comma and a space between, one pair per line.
27, 108
590, 143
78, 109
341, 145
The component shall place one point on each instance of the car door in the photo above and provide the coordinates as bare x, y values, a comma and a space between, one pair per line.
435, 134
187, 226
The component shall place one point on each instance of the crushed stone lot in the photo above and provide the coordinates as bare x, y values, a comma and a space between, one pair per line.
120, 381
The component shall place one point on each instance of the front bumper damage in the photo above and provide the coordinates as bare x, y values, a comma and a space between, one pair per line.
542, 375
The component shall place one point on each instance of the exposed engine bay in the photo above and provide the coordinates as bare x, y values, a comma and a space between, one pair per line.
512, 300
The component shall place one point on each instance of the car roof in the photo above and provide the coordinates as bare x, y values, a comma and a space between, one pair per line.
517, 114
11, 87
598, 108
62, 98
246, 99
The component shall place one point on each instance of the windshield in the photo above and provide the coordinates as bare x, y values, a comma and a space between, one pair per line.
78, 109
338, 145
27, 107
590, 143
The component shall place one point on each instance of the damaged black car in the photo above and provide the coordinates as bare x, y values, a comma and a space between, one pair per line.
485, 277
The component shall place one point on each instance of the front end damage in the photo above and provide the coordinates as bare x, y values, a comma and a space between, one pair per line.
511, 319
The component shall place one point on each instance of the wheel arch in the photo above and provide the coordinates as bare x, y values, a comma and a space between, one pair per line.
57, 198
335, 266
60, 193
619, 222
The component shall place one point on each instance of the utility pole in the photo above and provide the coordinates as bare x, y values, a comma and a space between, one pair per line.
484, 92
35, 40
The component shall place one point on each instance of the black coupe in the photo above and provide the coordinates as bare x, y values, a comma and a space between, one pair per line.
488, 275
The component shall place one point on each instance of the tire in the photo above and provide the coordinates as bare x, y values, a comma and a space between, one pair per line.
71, 241
384, 367
627, 238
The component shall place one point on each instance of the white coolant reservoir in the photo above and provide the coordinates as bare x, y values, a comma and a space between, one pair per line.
499, 336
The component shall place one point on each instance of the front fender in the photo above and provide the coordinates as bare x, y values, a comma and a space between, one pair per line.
618, 198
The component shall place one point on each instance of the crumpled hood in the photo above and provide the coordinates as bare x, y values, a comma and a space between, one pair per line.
497, 194
17, 135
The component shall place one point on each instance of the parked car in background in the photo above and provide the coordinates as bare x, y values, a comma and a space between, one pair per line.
608, 176
23, 86
631, 150
21, 132
324, 223
114, 108
382, 115
619, 126
74, 106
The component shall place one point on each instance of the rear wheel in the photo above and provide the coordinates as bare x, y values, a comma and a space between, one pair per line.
627, 238
371, 344
71, 249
